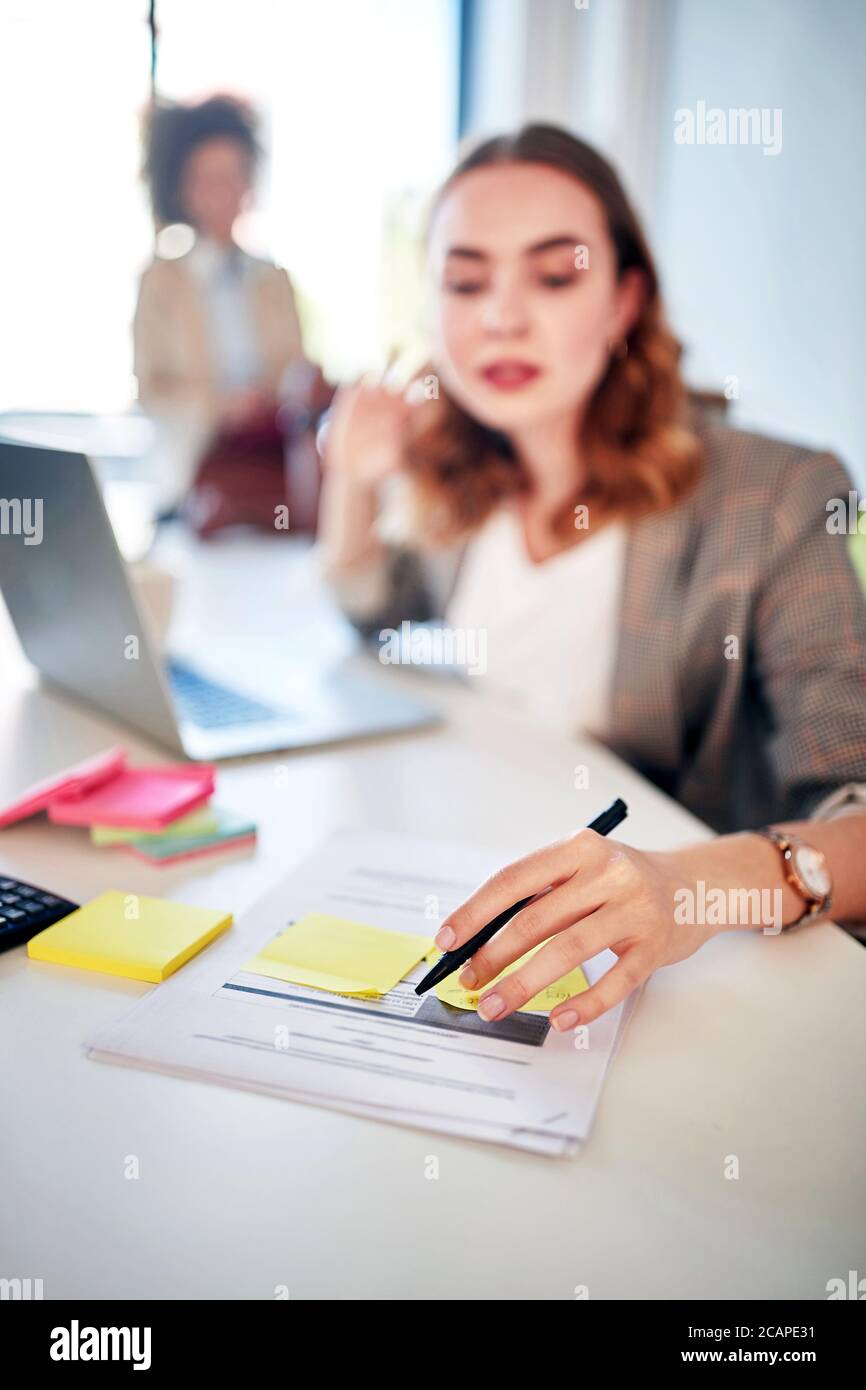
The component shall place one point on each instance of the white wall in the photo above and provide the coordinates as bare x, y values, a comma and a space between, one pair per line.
762, 256
597, 70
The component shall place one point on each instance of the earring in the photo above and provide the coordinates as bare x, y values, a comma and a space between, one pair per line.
618, 348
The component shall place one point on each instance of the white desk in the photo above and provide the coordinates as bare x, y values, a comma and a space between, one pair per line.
754, 1047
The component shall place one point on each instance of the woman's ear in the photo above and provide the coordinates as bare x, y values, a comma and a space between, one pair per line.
631, 294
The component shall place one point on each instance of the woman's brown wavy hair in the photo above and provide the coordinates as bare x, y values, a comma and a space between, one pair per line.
640, 455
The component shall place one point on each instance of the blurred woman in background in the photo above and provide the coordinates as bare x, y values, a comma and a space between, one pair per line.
216, 332
638, 570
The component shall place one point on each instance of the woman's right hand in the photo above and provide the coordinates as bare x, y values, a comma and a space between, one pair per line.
364, 436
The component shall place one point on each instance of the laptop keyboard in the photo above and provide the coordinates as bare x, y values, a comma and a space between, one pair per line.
212, 706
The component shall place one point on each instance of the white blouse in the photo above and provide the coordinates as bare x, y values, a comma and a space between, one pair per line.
549, 631
224, 275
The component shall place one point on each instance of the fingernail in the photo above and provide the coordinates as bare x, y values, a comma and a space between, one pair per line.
445, 938
491, 1006
468, 977
563, 1022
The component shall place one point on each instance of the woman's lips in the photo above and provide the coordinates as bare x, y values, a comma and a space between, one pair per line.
510, 375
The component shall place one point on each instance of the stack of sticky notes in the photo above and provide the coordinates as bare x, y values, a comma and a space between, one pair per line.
162, 814
206, 831
125, 934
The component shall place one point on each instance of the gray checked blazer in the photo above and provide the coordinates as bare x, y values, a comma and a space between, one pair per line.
762, 736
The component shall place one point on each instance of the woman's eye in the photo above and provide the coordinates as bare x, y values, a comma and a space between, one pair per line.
463, 286
557, 282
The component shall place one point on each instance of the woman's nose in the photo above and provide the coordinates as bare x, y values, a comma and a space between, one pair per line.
505, 312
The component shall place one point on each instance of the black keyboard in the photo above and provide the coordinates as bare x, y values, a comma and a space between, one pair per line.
25, 910
212, 706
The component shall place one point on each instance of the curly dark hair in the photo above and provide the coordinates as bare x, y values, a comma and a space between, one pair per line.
173, 130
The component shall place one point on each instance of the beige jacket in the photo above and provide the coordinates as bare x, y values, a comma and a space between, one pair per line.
769, 735
172, 358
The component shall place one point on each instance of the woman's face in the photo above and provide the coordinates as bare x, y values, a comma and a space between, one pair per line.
215, 186
526, 300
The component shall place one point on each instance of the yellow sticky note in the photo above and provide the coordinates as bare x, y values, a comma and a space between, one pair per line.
343, 957
125, 934
450, 991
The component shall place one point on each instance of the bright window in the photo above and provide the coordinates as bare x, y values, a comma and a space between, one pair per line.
358, 100
75, 227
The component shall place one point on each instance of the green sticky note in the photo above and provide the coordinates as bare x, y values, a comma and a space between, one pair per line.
340, 956
199, 822
166, 849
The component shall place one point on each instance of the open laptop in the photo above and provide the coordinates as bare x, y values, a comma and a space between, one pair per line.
70, 598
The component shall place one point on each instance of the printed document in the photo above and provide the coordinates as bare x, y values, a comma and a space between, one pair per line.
398, 1057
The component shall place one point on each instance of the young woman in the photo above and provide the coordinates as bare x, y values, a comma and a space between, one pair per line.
640, 572
216, 331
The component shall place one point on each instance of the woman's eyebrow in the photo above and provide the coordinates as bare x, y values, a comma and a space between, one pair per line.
554, 243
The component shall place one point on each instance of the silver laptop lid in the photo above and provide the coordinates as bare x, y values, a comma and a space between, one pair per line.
68, 591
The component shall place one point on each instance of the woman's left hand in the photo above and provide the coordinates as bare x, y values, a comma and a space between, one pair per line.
601, 894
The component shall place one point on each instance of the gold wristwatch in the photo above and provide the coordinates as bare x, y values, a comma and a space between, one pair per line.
806, 869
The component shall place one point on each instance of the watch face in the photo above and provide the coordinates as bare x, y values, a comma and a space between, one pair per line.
812, 869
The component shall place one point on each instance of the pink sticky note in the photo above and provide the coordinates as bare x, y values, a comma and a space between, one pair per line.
145, 798
74, 781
